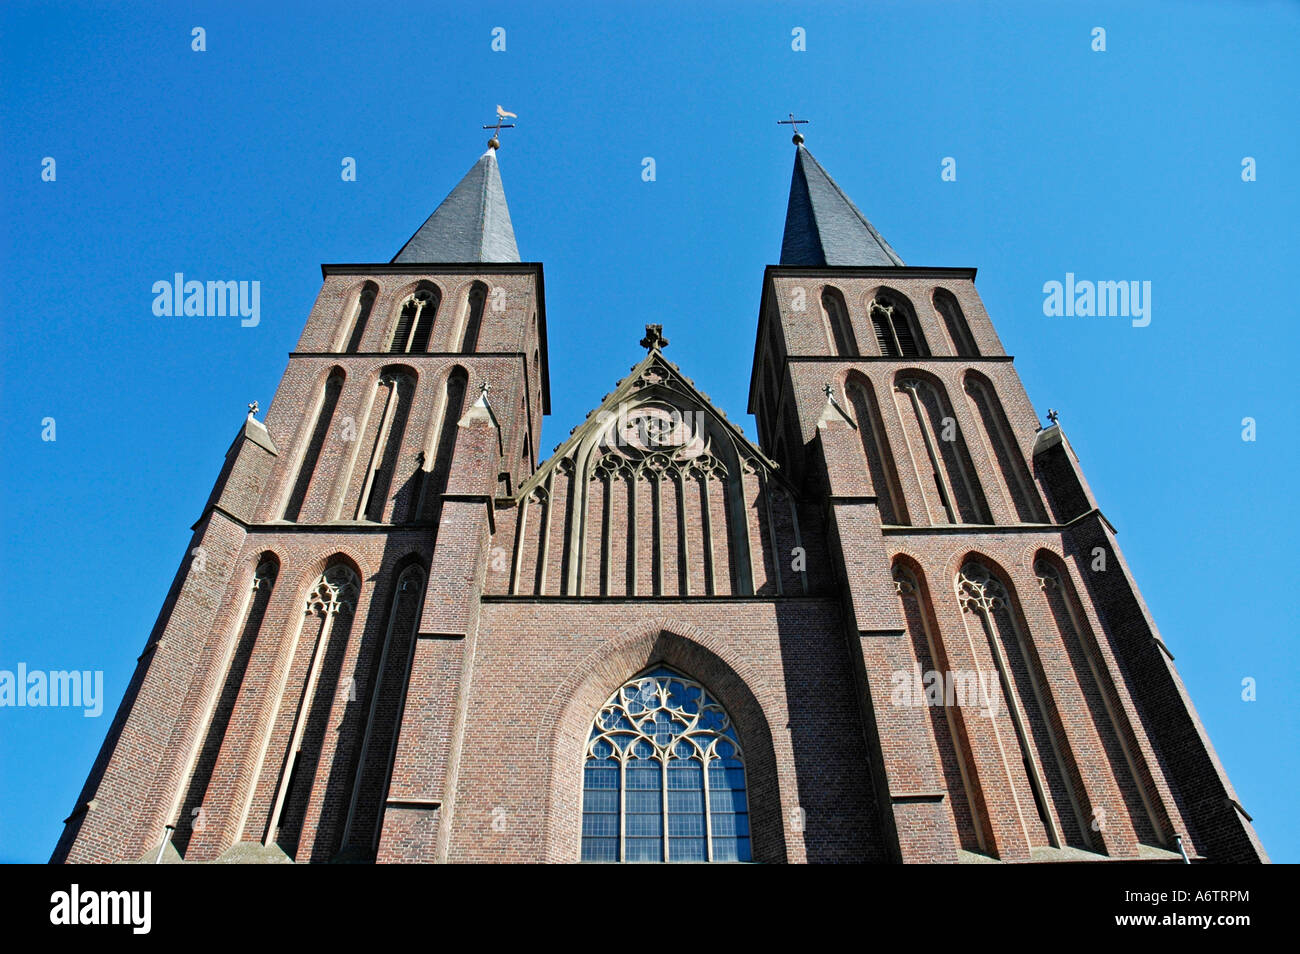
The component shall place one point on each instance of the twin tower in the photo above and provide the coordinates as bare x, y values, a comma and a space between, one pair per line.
896, 629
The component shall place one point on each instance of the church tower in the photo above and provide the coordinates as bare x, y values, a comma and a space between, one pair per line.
333, 576
971, 553
897, 628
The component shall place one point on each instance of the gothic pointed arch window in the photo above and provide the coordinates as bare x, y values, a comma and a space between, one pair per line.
1000, 439
326, 626
439, 445
945, 303
950, 487
203, 764
309, 454
664, 776
840, 329
1103, 705
897, 333
930, 656
386, 701
393, 398
1047, 774
474, 318
875, 445
415, 322
359, 317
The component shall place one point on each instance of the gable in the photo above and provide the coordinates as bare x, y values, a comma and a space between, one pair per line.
656, 493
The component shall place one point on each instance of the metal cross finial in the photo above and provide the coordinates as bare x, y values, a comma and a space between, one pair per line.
252, 409
1052, 415
495, 141
797, 139
828, 391
484, 388
654, 338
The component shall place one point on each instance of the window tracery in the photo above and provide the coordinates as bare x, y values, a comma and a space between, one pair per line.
664, 776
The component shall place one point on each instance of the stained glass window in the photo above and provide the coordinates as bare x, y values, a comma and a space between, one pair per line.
664, 777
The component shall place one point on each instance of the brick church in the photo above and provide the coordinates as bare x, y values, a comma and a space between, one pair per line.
898, 628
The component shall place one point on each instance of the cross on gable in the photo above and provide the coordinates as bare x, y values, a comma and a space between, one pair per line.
654, 339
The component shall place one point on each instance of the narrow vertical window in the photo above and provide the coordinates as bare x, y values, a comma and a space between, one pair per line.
474, 319
387, 699
1103, 703
951, 487
1048, 776
361, 316
433, 480
664, 776
837, 317
963, 345
880, 457
191, 817
327, 623
963, 802
399, 390
315, 441
1000, 440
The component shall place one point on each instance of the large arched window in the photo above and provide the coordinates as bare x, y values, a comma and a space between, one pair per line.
664, 777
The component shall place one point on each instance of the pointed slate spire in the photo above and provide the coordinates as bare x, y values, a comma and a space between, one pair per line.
471, 225
823, 226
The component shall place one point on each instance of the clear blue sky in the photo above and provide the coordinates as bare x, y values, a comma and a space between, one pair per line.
226, 164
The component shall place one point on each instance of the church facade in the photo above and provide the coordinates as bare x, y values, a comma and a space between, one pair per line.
898, 628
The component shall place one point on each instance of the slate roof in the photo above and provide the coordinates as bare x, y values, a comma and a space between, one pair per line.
824, 227
471, 225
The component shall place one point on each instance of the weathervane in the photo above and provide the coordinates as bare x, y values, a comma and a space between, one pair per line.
494, 142
797, 138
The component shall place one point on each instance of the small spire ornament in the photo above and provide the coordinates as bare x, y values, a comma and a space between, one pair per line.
797, 138
654, 339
